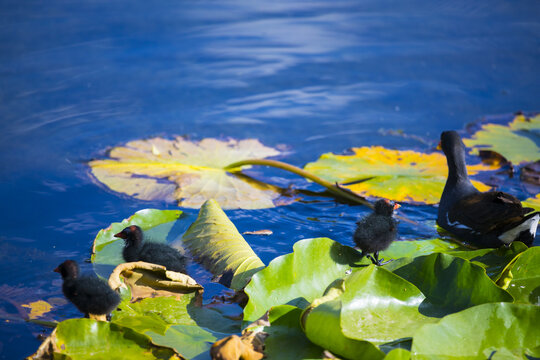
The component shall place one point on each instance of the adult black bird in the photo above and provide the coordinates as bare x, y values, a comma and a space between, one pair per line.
376, 231
88, 293
485, 219
155, 253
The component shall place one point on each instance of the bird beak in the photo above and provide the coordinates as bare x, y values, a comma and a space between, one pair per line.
120, 235
396, 206
439, 146
57, 270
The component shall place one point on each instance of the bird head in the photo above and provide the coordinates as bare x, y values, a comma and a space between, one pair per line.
132, 235
385, 207
68, 269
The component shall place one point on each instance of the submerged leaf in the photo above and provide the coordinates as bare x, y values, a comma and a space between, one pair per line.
517, 142
400, 175
532, 202
190, 172
488, 331
37, 308
216, 243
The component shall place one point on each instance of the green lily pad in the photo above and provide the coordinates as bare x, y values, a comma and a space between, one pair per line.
494, 331
398, 354
286, 339
525, 281
532, 202
400, 175
186, 171
509, 141
298, 278
90, 339
180, 324
214, 240
380, 307
492, 260
108, 250
449, 283
322, 325
413, 248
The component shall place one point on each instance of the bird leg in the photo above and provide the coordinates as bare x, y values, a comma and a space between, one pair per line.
368, 255
380, 261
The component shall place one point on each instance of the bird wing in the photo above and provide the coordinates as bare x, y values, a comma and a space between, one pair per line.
487, 212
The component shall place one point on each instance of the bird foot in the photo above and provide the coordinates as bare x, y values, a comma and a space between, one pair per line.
381, 262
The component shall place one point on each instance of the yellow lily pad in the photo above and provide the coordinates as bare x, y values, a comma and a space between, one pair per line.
516, 142
399, 175
186, 171
37, 308
532, 203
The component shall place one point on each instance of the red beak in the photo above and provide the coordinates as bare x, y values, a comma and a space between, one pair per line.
396, 206
120, 235
57, 270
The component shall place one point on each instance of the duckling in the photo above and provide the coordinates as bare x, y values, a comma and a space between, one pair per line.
376, 231
155, 253
88, 293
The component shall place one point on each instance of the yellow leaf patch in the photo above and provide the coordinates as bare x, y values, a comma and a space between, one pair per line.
37, 308
399, 175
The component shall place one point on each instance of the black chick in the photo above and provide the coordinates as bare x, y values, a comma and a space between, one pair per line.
155, 253
88, 293
376, 231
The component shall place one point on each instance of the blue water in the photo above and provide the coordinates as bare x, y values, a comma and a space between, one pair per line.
319, 76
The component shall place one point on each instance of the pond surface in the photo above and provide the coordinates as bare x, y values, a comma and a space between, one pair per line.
77, 78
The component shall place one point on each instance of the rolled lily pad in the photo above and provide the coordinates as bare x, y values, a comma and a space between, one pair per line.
186, 171
488, 331
151, 280
108, 250
216, 243
517, 142
449, 283
300, 277
90, 339
400, 175
525, 280
286, 340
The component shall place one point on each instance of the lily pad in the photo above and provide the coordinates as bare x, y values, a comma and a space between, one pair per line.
300, 277
399, 175
322, 325
532, 202
413, 248
286, 340
525, 280
89, 339
107, 249
517, 142
37, 308
186, 171
449, 283
488, 331
216, 243
380, 306
398, 354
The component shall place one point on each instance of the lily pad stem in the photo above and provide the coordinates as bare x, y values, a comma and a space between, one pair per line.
334, 189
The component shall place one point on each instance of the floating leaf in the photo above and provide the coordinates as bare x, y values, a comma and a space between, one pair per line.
509, 141
413, 248
525, 282
107, 249
488, 331
398, 354
298, 278
216, 243
151, 280
37, 308
286, 340
532, 202
449, 283
190, 172
100, 340
400, 175
380, 307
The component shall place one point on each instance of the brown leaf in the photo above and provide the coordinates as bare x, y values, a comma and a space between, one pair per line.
234, 348
151, 280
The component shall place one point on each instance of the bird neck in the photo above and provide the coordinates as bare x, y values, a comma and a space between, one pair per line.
457, 167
